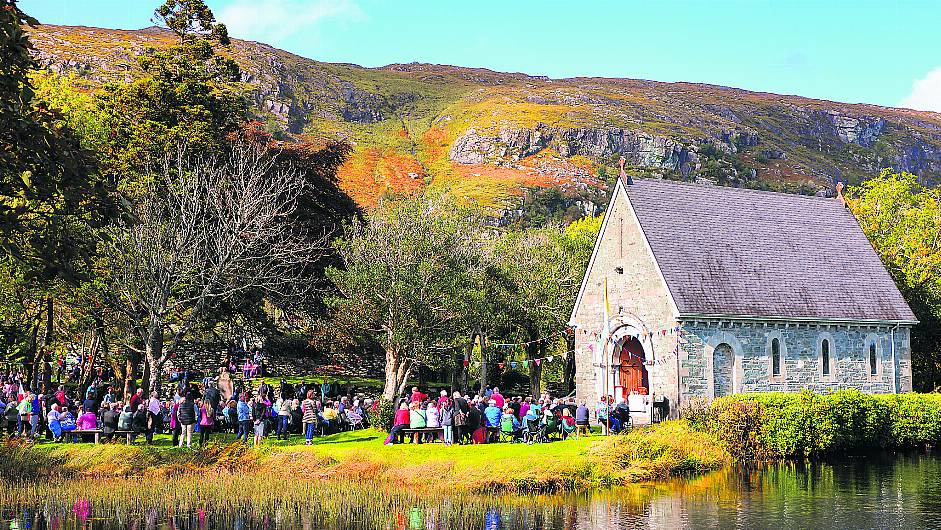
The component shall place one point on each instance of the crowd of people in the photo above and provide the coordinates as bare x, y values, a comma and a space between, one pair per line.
465, 418
193, 410
221, 404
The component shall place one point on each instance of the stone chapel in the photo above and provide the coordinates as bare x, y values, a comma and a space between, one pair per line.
715, 290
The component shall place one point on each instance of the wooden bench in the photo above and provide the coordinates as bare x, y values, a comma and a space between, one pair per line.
424, 430
99, 432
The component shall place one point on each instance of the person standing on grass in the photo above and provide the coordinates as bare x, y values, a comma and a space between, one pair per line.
259, 413
207, 420
432, 419
446, 416
136, 399
24, 408
154, 416
417, 396
244, 412
284, 418
498, 398
309, 412
186, 416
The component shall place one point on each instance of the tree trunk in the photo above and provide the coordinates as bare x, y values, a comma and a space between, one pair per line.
153, 359
394, 372
39, 350
533, 351
458, 373
88, 368
483, 365
130, 373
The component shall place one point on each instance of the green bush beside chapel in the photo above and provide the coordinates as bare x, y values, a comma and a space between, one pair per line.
777, 425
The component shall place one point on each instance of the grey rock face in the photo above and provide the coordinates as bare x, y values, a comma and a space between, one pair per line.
640, 149
360, 106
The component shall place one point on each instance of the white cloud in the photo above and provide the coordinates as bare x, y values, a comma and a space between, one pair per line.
273, 20
926, 93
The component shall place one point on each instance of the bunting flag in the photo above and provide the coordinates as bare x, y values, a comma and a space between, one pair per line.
550, 358
466, 363
501, 365
525, 364
476, 364
513, 364
538, 361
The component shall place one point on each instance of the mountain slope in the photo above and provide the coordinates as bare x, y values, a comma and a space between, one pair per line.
489, 135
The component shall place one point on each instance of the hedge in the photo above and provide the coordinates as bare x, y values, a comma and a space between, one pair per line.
777, 425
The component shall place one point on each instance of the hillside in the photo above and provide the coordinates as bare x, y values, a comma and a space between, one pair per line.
491, 135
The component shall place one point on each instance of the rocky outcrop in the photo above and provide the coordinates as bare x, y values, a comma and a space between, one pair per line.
360, 106
513, 144
919, 158
859, 130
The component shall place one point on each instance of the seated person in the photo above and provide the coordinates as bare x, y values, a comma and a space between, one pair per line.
416, 419
509, 425
109, 421
581, 415
67, 423
567, 423
52, 419
329, 416
86, 420
125, 419
493, 414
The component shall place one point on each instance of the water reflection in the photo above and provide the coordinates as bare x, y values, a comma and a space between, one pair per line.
875, 492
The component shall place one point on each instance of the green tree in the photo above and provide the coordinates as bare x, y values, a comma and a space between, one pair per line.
902, 219
51, 193
189, 95
404, 270
543, 269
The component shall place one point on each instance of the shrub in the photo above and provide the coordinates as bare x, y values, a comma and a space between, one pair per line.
384, 415
778, 425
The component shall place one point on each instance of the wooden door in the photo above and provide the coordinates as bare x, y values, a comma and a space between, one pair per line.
633, 373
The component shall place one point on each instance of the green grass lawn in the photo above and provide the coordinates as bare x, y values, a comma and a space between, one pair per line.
644, 454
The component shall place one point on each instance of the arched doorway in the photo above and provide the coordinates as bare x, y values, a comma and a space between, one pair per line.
723, 365
632, 373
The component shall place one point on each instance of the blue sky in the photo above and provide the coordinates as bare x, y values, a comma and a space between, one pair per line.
885, 53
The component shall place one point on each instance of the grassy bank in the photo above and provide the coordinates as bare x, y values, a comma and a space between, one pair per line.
770, 426
666, 450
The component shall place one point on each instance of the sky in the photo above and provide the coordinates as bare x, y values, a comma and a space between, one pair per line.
880, 52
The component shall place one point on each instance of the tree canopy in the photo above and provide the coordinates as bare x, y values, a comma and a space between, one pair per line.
902, 219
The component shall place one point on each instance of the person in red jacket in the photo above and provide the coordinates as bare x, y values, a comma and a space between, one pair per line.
417, 396
399, 422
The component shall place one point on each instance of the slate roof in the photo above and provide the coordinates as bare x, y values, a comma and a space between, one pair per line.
738, 252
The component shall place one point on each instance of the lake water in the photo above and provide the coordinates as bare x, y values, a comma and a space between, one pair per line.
884, 491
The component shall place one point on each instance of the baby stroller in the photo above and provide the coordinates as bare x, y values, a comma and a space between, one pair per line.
534, 432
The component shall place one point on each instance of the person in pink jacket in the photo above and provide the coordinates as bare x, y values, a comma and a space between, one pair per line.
207, 420
86, 421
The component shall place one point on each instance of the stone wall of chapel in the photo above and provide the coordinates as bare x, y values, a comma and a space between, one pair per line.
801, 357
635, 291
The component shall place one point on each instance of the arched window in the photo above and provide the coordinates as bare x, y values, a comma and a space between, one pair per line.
825, 356
873, 360
775, 357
